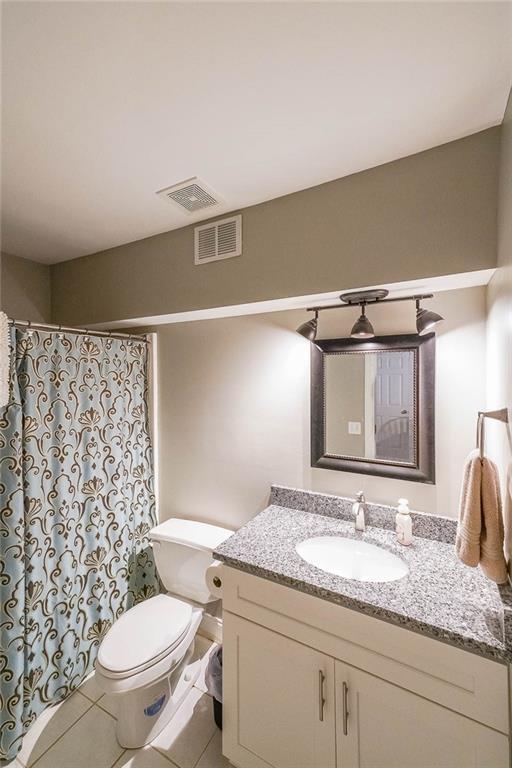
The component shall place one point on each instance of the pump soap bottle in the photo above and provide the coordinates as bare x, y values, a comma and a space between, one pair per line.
403, 523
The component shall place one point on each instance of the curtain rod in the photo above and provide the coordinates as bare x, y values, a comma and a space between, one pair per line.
28, 324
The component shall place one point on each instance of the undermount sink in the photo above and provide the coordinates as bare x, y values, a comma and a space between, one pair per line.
352, 559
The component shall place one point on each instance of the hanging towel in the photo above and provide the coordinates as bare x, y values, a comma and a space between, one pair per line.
480, 528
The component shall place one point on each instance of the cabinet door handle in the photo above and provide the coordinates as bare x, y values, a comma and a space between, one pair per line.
345, 709
321, 700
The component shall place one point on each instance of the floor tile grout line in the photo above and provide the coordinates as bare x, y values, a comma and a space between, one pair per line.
171, 762
106, 712
91, 705
103, 708
162, 754
204, 750
77, 690
87, 679
120, 756
94, 701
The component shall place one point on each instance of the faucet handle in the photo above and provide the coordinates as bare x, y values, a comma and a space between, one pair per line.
360, 497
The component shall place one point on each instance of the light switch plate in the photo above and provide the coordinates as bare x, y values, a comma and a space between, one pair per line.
354, 427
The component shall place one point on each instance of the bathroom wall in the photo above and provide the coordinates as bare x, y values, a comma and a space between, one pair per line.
432, 213
25, 291
499, 330
234, 409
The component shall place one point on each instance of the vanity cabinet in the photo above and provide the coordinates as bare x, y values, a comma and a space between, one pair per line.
283, 706
381, 724
311, 684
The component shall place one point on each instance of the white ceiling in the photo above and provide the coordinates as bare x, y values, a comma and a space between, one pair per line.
105, 103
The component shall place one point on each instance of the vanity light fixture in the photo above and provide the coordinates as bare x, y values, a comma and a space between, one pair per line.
362, 328
425, 319
309, 328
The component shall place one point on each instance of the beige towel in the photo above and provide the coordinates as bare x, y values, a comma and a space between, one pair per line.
480, 527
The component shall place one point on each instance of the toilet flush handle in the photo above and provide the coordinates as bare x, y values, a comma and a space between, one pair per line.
217, 582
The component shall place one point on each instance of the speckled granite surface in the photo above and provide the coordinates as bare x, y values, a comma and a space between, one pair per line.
380, 515
439, 597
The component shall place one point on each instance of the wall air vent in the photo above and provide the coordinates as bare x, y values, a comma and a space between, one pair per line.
191, 195
218, 240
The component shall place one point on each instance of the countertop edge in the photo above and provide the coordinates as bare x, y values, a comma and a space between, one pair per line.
432, 632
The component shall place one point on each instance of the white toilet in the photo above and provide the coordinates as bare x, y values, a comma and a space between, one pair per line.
146, 658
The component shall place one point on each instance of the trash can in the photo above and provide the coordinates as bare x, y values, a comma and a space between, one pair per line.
213, 679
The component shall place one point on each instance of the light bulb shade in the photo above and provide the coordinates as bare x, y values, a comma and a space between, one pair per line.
425, 320
308, 329
362, 329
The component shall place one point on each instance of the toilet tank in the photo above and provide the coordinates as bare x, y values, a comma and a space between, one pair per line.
183, 552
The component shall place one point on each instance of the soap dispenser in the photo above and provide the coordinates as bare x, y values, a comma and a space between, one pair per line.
404, 523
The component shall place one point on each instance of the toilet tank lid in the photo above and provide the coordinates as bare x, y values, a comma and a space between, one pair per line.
190, 532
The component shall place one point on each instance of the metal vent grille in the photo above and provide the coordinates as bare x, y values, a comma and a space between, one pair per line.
191, 195
219, 240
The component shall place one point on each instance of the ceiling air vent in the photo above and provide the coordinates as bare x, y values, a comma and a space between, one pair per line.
191, 195
218, 240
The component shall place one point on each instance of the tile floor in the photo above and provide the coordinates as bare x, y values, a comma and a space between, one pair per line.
80, 733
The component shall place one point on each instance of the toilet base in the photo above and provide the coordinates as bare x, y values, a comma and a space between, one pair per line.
144, 712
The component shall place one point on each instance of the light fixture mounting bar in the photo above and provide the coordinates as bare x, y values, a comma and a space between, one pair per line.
416, 297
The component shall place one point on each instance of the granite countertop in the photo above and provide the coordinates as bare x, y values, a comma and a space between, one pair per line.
439, 597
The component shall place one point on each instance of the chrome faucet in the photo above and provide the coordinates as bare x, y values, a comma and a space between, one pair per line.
359, 510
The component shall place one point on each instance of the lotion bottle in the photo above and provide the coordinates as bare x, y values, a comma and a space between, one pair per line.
403, 523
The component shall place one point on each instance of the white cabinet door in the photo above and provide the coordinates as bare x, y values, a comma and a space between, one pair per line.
380, 725
278, 700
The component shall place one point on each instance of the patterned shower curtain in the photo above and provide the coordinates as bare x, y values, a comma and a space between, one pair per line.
76, 506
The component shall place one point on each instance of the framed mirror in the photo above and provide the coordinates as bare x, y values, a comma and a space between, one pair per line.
372, 406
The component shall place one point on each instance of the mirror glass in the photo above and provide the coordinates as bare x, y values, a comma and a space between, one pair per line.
370, 405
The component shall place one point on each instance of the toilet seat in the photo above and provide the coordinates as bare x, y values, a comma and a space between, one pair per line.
113, 683
144, 635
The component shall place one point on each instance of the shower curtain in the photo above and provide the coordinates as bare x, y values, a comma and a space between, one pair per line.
76, 506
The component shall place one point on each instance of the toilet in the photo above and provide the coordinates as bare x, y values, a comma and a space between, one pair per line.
146, 659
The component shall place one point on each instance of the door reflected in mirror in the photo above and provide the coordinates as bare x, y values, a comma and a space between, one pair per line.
370, 405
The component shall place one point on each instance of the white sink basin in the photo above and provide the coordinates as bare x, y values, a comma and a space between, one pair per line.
352, 559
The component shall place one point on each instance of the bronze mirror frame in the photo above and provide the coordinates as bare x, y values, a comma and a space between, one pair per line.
423, 469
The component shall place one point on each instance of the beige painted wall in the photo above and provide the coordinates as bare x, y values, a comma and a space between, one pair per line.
25, 291
234, 409
499, 336
433, 213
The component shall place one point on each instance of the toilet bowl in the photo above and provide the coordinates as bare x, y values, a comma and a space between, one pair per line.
146, 660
